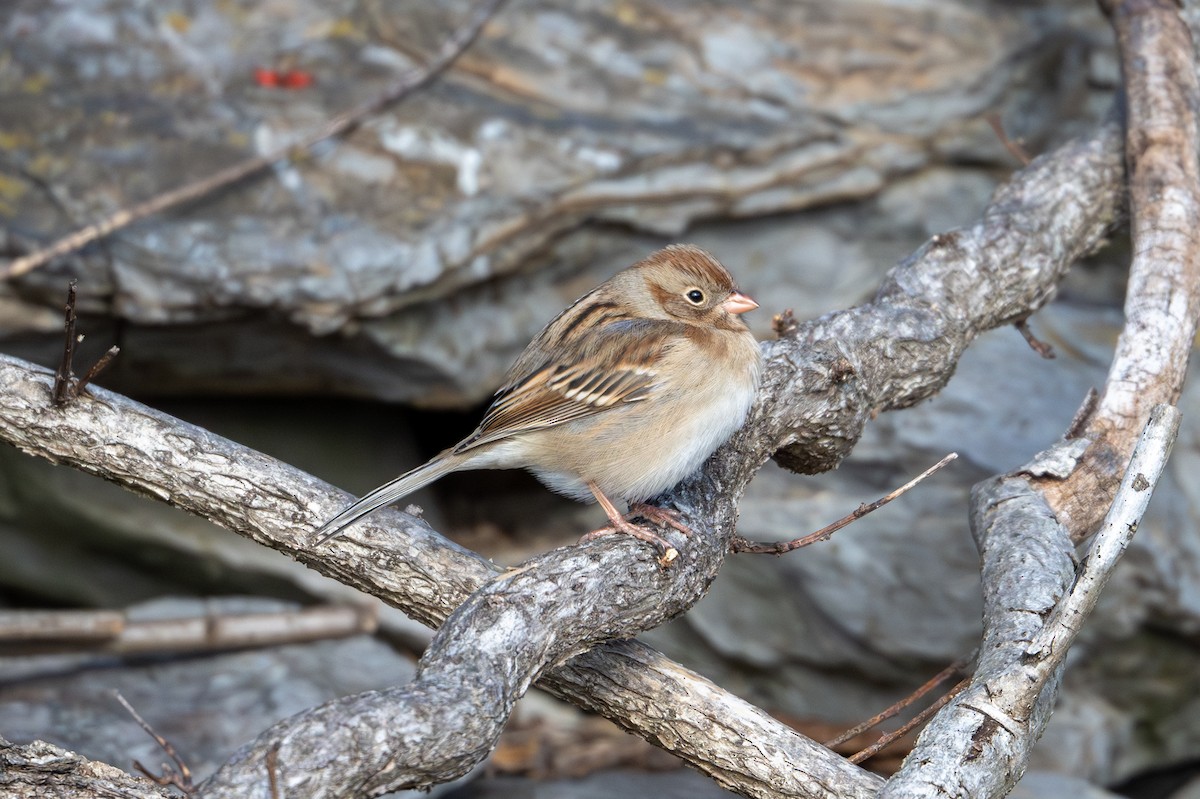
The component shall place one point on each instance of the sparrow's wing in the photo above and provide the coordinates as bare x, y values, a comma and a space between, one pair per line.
615, 363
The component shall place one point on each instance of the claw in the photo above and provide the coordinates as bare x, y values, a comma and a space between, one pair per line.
666, 552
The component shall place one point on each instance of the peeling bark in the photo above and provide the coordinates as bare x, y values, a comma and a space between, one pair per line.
1163, 299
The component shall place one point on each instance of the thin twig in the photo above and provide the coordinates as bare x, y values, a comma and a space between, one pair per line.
98, 367
338, 125
65, 373
66, 387
888, 739
739, 544
1083, 416
887, 713
1013, 147
272, 770
181, 778
1036, 344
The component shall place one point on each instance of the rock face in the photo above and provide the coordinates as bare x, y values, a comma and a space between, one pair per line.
807, 145
566, 144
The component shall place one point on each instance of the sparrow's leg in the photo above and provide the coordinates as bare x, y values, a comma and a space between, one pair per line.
618, 523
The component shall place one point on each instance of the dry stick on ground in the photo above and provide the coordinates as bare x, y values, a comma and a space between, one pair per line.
979, 746
739, 544
821, 382
337, 126
110, 633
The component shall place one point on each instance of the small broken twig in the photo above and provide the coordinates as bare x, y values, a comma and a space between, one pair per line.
66, 387
1083, 416
739, 544
64, 375
1013, 147
338, 125
1036, 344
98, 367
180, 775
272, 770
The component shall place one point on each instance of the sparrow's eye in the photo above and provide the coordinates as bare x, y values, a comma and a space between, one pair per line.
695, 296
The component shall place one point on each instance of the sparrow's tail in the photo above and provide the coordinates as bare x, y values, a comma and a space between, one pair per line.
389, 492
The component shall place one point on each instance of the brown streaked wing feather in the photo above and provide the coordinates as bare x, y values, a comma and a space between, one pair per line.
615, 365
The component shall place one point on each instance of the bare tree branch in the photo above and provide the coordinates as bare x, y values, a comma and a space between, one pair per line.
821, 384
1027, 523
1049, 648
825, 379
1163, 299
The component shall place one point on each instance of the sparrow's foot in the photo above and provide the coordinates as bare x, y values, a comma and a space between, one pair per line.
619, 523
666, 552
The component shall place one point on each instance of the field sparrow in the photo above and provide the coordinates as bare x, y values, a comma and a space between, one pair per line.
622, 395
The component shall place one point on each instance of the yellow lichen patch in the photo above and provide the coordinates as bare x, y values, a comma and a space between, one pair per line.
343, 29
35, 84
44, 165
628, 14
13, 141
10, 191
655, 77
178, 22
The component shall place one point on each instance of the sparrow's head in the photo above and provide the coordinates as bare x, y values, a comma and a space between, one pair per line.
684, 283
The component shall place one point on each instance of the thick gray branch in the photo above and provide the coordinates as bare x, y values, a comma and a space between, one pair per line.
1162, 303
824, 381
40, 771
1026, 524
821, 384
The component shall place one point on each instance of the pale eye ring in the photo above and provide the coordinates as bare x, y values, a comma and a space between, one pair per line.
695, 296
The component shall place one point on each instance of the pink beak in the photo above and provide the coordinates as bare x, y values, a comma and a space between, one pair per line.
739, 303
